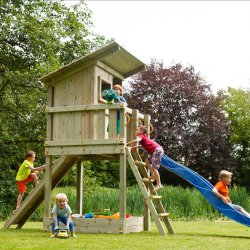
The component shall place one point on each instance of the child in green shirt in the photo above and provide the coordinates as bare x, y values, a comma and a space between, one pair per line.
26, 174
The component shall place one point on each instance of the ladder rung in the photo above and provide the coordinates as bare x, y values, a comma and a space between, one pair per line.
147, 180
155, 196
140, 164
164, 214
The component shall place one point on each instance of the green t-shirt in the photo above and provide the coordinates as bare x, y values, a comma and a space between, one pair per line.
24, 170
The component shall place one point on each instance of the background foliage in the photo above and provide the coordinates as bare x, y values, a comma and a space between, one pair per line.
189, 121
204, 131
36, 37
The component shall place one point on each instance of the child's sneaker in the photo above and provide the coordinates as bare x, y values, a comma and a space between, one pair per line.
74, 236
52, 236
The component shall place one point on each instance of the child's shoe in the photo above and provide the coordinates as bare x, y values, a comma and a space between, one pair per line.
52, 236
74, 236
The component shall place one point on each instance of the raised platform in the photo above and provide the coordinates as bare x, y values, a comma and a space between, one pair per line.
94, 225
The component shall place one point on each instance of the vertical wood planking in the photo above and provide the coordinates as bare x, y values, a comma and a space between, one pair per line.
50, 103
129, 130
135, 116
56, 117
85, 100
122, 123
112, 123
64, 116
71, 96
78, 101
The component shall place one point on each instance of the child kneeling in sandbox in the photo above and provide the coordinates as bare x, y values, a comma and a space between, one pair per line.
62, 212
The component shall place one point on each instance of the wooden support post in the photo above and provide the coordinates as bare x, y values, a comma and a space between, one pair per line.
147, 221
123, 172
48, 187
79, 186
48, 159
123, 186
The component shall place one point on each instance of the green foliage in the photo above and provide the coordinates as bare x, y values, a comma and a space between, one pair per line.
189, 122
36, 37
237, 107
107, 172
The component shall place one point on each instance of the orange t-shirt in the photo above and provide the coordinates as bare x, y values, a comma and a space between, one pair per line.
222, 189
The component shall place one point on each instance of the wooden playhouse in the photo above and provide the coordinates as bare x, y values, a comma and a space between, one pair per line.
77, 121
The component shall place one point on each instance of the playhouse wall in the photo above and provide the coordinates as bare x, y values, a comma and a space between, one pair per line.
81, 88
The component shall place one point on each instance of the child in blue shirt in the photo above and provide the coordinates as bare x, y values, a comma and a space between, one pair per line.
62, 212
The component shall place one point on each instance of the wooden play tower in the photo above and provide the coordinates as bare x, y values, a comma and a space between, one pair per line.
77, 122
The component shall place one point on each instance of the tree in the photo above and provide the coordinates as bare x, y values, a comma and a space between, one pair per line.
237, 107
189, 121
36, 37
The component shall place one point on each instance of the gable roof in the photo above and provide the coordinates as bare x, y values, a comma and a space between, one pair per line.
112, 55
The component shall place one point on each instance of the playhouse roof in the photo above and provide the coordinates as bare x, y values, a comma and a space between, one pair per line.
112, 55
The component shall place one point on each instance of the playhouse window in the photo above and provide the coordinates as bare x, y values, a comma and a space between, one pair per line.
105, 85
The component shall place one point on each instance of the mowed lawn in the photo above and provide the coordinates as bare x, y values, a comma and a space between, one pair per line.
189, 235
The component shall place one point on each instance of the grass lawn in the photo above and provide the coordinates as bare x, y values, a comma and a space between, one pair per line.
189, 235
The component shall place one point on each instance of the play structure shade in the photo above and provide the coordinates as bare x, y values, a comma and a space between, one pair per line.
205, 187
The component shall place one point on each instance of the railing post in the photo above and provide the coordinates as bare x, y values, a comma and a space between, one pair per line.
79, 186
147, 222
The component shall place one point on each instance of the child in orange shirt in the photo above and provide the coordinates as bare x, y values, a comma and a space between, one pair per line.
221, 190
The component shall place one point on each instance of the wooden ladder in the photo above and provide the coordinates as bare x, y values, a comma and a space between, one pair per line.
151, 197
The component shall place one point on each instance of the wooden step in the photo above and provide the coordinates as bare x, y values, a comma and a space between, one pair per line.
140, 163
164, 214
147, 180
155, 196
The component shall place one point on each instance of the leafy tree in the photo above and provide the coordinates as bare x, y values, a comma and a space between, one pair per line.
36, 37
237, 107
189, 121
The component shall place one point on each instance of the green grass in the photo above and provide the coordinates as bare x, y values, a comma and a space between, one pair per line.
189, 235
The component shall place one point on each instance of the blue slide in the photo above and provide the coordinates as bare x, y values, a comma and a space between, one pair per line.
205, 187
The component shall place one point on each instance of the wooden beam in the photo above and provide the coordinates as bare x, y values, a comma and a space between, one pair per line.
85, 150
100, 157
79, 188
119, 141
48, 186
78, 108
123, 188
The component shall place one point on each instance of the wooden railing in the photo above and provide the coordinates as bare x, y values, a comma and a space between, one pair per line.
92, 122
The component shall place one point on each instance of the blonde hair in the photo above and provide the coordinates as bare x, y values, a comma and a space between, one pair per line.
225, 173
119, 87
61, 196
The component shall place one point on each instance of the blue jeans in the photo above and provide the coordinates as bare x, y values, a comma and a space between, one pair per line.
64, 220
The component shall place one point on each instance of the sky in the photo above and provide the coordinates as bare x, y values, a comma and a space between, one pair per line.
212, 36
